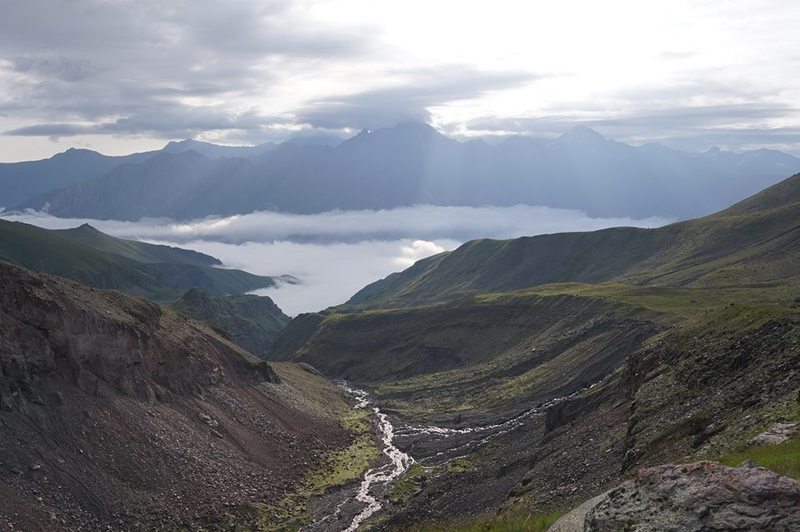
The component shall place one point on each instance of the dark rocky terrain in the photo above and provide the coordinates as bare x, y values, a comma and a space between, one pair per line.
118, 412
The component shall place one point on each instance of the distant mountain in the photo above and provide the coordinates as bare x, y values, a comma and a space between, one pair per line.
215, 151
85, 254
414, 164
754, 241
251, 321
165, 183
20, 182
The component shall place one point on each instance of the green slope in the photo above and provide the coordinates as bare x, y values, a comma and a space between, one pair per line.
471, 327
51, 252
250, 321
754, 242
138, 251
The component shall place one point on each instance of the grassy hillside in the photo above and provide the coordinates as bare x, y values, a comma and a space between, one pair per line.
754, 242
251, 321
138, 251
88, 256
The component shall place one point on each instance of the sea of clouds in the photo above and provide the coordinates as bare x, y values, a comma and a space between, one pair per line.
334, 254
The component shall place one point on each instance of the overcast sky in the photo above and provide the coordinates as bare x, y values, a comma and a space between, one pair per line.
127, 75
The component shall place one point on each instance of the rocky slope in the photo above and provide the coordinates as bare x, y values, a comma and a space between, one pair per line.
250, 321
119, 412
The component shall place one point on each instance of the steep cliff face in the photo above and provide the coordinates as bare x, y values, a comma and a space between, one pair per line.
251, 321
117, 411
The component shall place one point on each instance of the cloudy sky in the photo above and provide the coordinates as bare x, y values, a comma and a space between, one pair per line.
126, 75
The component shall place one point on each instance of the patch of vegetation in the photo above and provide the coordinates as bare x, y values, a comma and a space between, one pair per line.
783, 458
337, 469
303, 386
407, 485
528, 523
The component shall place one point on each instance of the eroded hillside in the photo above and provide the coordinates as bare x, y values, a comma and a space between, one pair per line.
119, 412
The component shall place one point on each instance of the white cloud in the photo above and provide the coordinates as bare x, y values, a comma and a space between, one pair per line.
422, 222
233, 70
419, 249
335, 254
329, 273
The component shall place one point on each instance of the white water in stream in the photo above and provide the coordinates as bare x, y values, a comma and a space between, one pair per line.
399, 462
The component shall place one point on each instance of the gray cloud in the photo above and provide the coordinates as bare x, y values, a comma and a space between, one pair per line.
159, 119
156, 70
687, 128
408, 100
127, 67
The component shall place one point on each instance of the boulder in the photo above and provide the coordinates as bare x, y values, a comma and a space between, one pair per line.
699, 496
778, 433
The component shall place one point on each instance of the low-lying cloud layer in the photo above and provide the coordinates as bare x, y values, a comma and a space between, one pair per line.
334, 254
418, 222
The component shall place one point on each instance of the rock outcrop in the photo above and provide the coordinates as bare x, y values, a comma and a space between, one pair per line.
778, 433
697, 496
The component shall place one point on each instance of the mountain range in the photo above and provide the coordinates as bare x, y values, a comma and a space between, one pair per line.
408, 164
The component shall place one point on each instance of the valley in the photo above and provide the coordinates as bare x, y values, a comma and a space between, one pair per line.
497, 383
352, 266
522, 403
506, 381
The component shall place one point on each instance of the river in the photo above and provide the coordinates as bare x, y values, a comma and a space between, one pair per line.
453, 443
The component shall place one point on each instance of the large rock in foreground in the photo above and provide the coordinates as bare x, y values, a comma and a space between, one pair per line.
699, 496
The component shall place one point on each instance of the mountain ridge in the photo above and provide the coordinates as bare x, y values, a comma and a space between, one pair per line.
413, 163
709, 251
159, 272
251, 321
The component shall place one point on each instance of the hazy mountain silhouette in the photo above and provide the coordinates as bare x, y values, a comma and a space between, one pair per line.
412, 163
